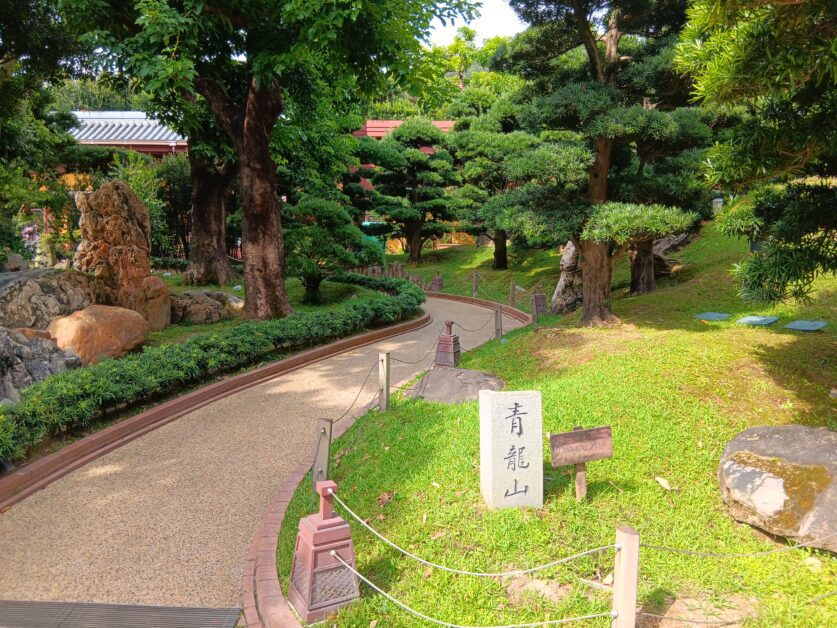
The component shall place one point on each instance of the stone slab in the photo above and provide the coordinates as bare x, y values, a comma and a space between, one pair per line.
511, 448
447, 384
806, 325
712, 316
757, 320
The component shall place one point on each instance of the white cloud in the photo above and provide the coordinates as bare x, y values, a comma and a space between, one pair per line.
496, 18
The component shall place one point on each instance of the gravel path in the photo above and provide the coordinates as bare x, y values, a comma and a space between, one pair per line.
168, 518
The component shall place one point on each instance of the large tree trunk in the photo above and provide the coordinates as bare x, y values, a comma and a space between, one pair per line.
568, 292
208, 263
597, 177
261, 226
642, 267
501, 253
596, 272
414, 242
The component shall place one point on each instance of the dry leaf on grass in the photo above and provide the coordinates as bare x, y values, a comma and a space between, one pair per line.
436, 484
385, 498
428, 572
438, 534
663, 482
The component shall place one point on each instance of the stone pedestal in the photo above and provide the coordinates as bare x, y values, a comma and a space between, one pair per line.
319, 583
539, 303
511, 448
447, 347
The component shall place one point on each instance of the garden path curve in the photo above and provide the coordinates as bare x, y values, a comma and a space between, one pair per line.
167, 519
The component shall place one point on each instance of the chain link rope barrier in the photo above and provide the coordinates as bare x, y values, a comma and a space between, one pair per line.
439, 622
357, 396
424, 355
476, 574
736, 555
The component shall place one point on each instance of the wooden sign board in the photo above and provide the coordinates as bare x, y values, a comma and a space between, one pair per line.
581, 446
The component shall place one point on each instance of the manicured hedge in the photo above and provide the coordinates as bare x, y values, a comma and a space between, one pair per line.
73, 399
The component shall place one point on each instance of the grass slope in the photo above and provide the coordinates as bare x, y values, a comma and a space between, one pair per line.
675, 391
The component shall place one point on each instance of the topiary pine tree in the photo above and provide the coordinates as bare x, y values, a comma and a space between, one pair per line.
776, 62
413, 175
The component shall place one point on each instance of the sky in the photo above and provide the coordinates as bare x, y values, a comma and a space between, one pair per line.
496, 18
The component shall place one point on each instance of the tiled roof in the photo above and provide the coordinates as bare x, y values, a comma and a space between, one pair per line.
111, 127
382, 128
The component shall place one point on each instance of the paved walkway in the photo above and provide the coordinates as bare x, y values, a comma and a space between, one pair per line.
168, 518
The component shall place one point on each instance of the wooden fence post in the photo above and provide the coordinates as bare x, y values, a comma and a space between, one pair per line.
383, 381
475, 287
534, 311
512, 293
498, 323
625, 577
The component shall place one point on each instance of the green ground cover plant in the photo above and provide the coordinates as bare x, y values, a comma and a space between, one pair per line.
74, 399
674, 389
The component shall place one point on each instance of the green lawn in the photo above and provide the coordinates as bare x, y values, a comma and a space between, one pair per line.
675, 391
334, 295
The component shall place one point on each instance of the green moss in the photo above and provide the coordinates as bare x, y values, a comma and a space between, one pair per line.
803, 484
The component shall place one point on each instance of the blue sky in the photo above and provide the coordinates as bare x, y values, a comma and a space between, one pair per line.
496, 18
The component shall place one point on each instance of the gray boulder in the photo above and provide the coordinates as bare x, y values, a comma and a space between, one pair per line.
783, 480
25, 360
14, 262
204, 306
32, 298
447, 384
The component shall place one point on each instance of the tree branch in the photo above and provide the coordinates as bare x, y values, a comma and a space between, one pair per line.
222, 106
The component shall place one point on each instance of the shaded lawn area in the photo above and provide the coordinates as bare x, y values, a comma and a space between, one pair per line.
334, 296
675, 391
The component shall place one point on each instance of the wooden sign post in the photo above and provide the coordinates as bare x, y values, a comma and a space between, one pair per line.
578, 448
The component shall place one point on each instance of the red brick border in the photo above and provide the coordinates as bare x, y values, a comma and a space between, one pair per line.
261, 594
35, 476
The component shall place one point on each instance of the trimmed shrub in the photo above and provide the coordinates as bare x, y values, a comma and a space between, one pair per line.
74, 399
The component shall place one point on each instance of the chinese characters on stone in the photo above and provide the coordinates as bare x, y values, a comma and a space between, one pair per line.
516, 458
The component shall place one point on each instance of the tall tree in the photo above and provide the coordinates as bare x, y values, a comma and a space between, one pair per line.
484, 158
238, 56
777, 62
596, 103
412, 174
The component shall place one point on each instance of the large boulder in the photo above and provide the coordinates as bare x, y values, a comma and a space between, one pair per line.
116, 240
14, 262
100, 331
447, 384
32, 298
204, 306
29, 358
783, 480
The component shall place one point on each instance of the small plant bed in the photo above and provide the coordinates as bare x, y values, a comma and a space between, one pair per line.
63, 405
675, 391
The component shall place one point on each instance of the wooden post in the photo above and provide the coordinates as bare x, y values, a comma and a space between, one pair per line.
319, 470
512, 293
580, 476
625, 577
534, 311
383, 381
498, 323
475, 288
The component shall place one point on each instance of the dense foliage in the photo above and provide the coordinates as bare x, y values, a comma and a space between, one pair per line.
74, 399
412, 173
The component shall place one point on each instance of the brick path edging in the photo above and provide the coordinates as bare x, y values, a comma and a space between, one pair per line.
262, 599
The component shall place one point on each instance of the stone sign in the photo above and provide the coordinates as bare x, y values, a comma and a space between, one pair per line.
511, 448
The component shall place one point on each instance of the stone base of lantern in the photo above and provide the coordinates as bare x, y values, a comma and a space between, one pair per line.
447, 351
319, 583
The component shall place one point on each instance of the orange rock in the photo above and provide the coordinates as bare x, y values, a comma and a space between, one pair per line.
34, 334
157, 307
99, 331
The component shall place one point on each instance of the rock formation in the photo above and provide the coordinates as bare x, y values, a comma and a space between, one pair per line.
783, 479
26, 358
116, 248
204, 306
567, 293
32, 298
100, 331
